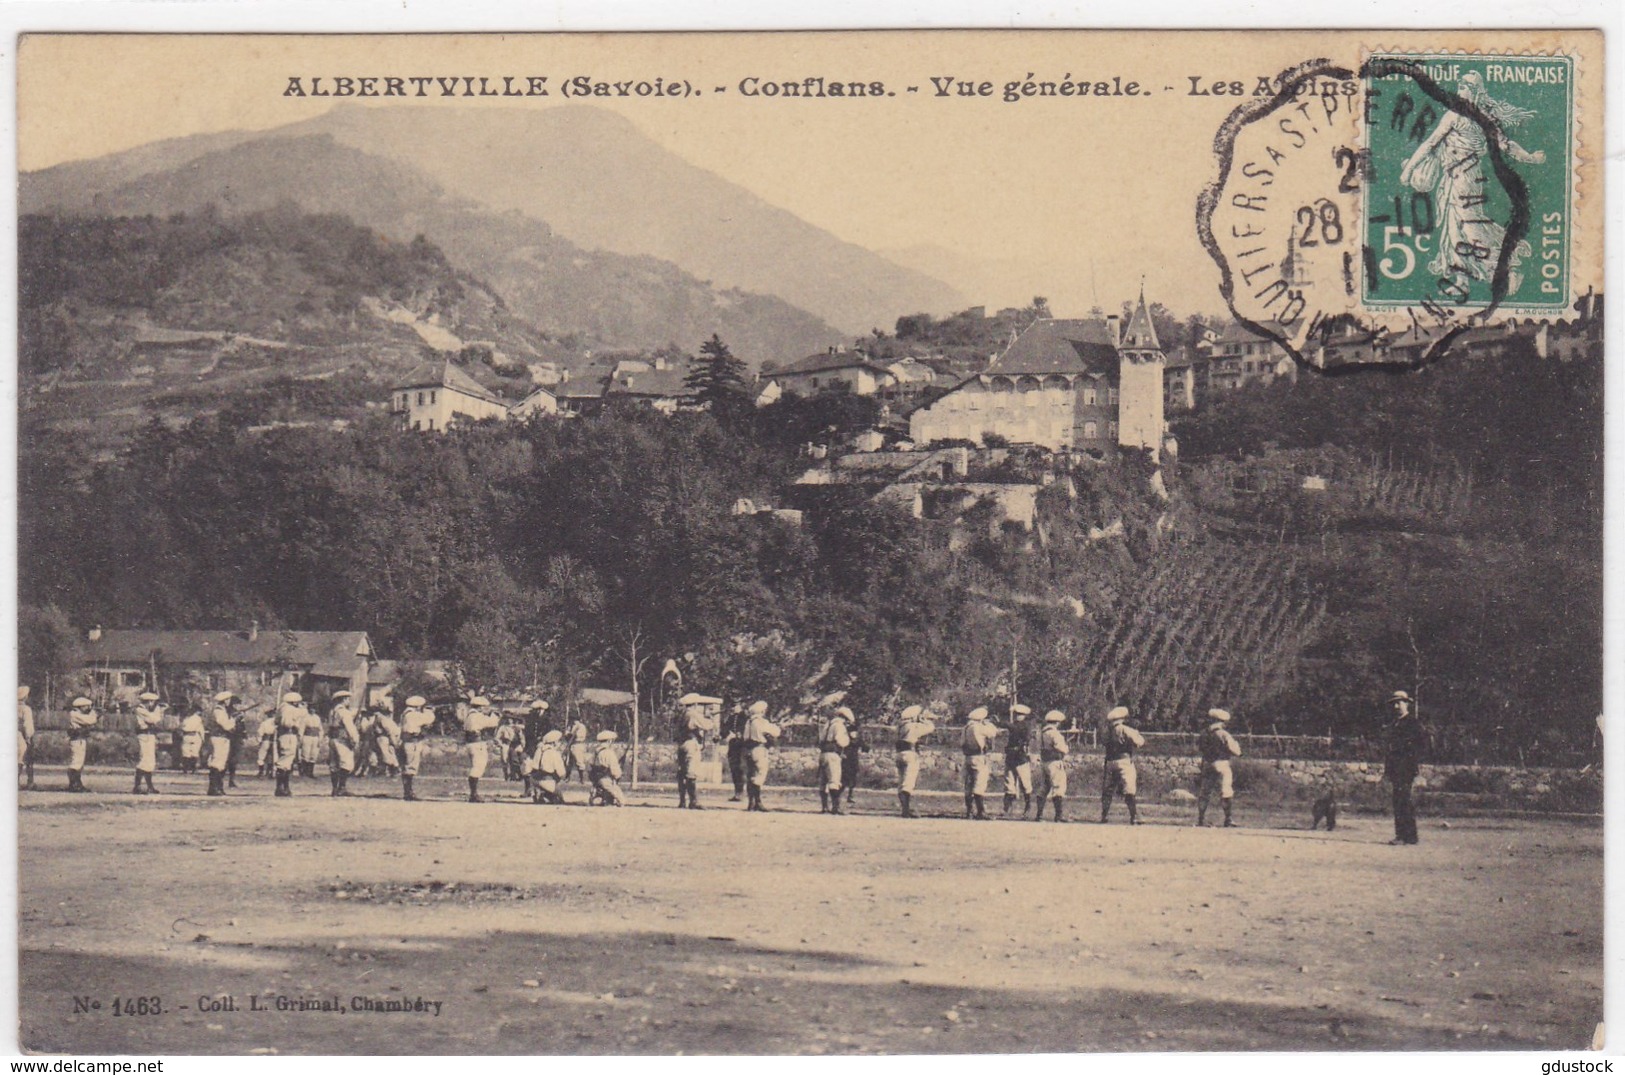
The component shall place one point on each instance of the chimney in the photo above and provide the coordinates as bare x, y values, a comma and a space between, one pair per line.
253, 630
95, 634
1114, 326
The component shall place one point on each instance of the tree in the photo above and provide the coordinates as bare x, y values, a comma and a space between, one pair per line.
717, 378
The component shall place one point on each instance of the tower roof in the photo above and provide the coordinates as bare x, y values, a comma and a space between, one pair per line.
1141, 333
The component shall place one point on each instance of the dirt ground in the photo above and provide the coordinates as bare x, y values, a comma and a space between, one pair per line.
649, 930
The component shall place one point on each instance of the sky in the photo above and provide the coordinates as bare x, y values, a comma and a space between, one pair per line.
1076, 198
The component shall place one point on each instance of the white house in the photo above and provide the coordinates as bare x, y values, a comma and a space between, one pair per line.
834, 370
437, 393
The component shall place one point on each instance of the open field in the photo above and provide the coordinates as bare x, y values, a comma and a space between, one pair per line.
649, 930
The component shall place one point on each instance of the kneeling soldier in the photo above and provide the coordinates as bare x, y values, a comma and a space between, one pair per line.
1121, 743
692, 729
833, 740
1218, 747
1052, 752
975, 742
911, 728
604, 770
149, 716
547, 774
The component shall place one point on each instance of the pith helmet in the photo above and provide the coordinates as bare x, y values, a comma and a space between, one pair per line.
1020, 710
22, 693
479, 701
147, 696
1054, 716
1118, 714
553, 736
1399, 696
226, 696
843, 711
340, 694
416, 701
81, 703
606, 736
757, 709
910, 713
292, 698
538, 705
979, 713
1220, 715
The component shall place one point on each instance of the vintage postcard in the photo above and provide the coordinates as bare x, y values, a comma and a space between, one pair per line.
1123, 510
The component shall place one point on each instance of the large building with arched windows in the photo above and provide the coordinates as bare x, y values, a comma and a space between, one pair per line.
1089, 385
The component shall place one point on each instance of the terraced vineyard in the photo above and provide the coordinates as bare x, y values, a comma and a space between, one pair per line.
1211, 623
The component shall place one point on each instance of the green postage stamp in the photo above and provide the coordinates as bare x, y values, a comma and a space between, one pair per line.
1468, 192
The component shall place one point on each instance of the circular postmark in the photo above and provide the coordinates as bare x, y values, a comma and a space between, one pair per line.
1366, 218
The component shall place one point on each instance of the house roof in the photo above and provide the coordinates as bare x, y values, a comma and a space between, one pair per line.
584, 388
659, 384
830, 360
1236, 332
1057, 345
325, 652
443, 373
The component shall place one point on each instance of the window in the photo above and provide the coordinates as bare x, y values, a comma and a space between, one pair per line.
431, 425
1088, 397
1090, 431
418, 424
431, 398
420, 399
133, 679
1111, 429
1111, 396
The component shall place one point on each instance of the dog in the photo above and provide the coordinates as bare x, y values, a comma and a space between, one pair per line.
1325, 808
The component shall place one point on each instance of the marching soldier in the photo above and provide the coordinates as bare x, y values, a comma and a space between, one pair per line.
851, 758
1018, 763
479, 725
290, 722
548, 773
604, 770
833, 739
267, 734
343, 737
416, 721
192, 731
1052, 752
911, 728
757, 733
1218, 746
576, 760
734, 735
25, 736
1121, 743
1402, 763
222, 722
310, 744
693, 727
81, 719
149, 716
975, 742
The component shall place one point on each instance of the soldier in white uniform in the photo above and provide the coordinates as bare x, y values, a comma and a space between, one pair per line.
1218, 746
975, 743
547, 774
343, 737
833, 739
604, 770
267, 734
757, 733
81, 719
693, 727
222, 723
479, 726
290, 723
192, 732
149, 716
580, 751
1120, 775
25, 736
416, 721
310, 744
911, 728
1052, 752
